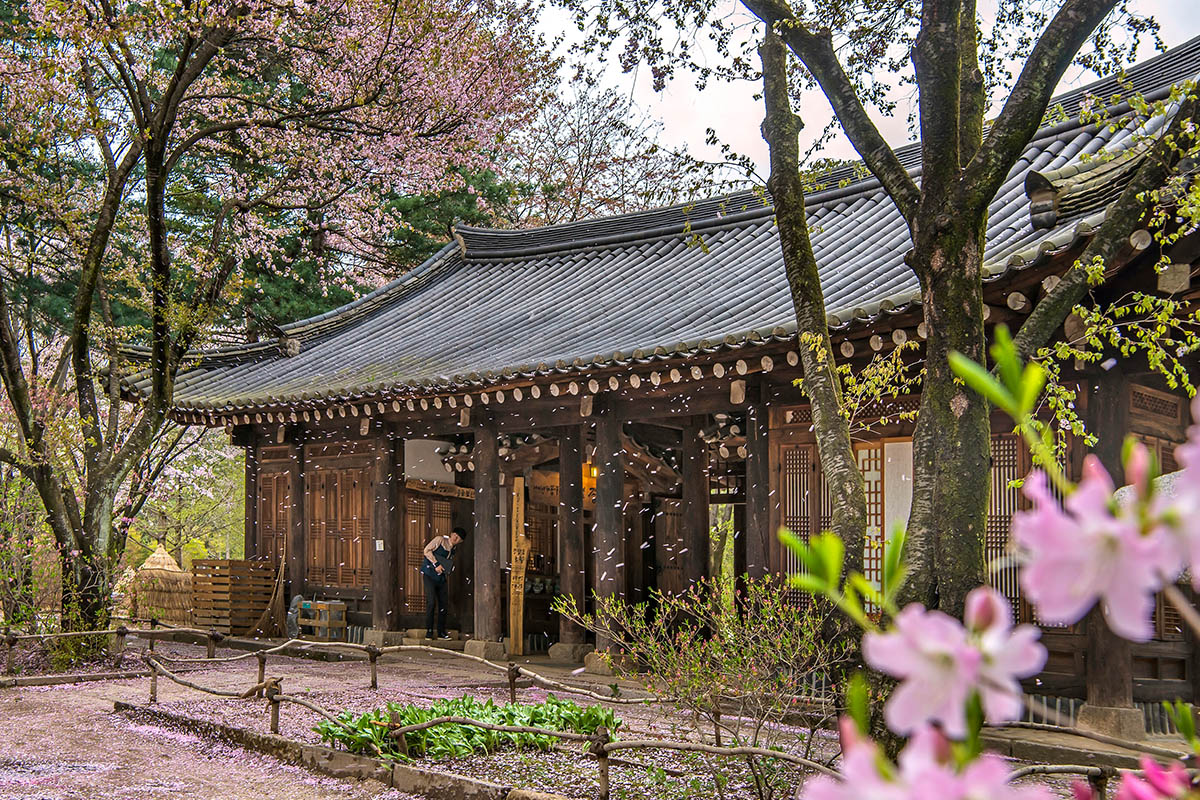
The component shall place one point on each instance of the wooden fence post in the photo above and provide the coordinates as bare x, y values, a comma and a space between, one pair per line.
373, 656
272, 693
153, 625
513, 673
153, 685
262, 666
598, 750
213, 638
119, 644
10, 642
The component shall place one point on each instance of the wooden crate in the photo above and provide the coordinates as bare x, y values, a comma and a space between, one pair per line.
323, 620
230, 596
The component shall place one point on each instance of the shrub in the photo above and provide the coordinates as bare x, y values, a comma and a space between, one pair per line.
367, 733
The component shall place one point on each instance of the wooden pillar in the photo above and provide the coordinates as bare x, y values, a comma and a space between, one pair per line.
758, 491
250, 549
297, 556
487, 534
609, 536
385, 606
570, 527
694, 517
1109, 661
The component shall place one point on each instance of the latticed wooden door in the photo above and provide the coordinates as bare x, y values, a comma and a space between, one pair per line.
274, 516
425, 517
339, 527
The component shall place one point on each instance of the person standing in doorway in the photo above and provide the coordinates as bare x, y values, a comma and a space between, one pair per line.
435, 566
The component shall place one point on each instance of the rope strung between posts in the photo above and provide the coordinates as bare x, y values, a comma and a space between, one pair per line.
267, 688
601, 743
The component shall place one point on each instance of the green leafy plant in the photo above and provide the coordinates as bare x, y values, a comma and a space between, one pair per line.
369, 733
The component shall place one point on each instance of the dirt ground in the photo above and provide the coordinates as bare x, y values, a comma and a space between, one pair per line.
60, 742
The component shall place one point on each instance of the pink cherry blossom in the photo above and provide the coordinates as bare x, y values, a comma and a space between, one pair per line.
1086, 552
941, 663
924, 770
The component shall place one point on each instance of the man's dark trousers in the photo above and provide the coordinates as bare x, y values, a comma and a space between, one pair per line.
436, 597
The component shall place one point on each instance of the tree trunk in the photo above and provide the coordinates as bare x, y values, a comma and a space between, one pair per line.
821, 383
951, 444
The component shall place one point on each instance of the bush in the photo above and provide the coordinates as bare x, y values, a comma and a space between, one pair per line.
739, 670
367, 734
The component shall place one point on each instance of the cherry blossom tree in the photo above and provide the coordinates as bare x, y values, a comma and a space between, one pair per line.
151, 148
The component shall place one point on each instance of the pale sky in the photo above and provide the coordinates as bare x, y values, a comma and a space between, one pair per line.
735, 114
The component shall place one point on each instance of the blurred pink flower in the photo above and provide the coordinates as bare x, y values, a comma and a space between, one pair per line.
1085, 552
1156, 783
1008, 654
941, 663
925, 771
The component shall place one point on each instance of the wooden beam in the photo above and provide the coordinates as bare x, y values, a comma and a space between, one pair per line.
758, 490
609, 536
657, 435
694, 517
1109, 662
572, 572
487, 534
385, 568
297, 558
250, 549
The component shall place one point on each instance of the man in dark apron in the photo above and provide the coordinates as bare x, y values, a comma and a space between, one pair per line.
435, 566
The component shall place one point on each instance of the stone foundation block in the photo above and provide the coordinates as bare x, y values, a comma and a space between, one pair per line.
341, 764
382, 638
1124, 723
492, 651
569, 652
595, 663
414, 780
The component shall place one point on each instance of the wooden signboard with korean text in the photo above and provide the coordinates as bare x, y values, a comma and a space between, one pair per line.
444, 489
516, 576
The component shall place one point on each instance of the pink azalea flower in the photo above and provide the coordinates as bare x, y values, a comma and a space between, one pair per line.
925, 770
1156, 783
1085, 553
941, 663
1008, 654
1182, 509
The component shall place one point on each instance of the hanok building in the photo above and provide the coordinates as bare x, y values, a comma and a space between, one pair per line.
633, 371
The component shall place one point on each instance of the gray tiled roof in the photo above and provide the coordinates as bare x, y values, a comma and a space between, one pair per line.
502, 303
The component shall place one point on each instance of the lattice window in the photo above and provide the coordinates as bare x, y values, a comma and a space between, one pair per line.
415, 536
1168, 623
1155, 403
796, 472
870, 464
1002, 568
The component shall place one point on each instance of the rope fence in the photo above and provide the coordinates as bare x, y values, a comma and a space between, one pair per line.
600, 744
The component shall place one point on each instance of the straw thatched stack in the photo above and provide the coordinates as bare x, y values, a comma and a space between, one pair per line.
162, 590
